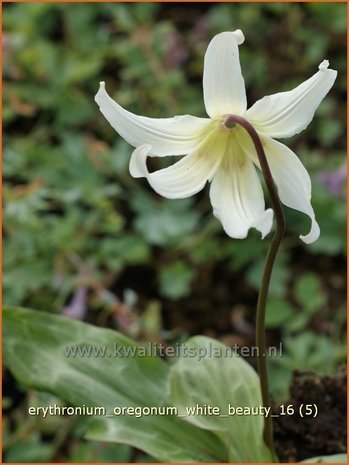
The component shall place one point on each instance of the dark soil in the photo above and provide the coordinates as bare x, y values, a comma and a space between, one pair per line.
298, 438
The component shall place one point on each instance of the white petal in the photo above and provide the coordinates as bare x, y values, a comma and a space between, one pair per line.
288, 113
290, 176
224, 86
293, 182
167, 136
237, 196
186, 177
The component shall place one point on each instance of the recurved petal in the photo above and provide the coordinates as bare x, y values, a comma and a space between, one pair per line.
223, 83
290, 176
186, 177
237, 197
167, 136
288, 113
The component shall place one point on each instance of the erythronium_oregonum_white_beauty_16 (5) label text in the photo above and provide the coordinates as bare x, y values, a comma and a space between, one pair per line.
225, 156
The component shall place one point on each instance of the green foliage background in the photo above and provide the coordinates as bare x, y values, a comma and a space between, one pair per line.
74, 217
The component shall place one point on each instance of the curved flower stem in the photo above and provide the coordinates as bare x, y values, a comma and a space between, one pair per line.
230, 121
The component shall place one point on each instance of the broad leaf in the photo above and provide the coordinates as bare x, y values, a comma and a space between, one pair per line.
36, 347
214, 377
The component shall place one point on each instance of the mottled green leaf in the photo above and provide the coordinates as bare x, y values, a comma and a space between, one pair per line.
35, 350
213, 376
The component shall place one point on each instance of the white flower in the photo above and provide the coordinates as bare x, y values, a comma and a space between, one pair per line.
226, 157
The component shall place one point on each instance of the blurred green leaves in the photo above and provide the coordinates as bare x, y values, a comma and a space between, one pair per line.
309, 293
175, 280
32, 449
73, 213
163, 222
67, 193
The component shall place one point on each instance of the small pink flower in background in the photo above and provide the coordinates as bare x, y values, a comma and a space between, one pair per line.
77, 307
334, 181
